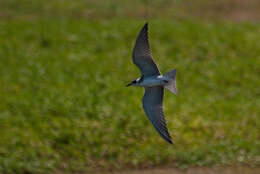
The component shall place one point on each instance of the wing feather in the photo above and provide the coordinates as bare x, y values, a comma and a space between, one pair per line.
153, 106
142, 55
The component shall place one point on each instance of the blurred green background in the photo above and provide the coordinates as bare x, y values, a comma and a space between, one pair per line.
63, 69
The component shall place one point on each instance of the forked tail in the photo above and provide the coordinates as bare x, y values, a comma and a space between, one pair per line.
171, 85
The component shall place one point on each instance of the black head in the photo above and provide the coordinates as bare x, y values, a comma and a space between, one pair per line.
132, 83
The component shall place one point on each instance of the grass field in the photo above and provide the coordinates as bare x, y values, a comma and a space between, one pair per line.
64, 105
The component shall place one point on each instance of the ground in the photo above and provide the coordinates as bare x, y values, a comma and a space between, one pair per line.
197, 170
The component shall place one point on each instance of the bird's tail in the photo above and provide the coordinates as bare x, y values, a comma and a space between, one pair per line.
171, 85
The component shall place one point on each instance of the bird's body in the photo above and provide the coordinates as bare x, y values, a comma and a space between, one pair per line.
153, 82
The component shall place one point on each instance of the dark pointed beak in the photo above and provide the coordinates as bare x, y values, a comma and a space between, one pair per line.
129, 84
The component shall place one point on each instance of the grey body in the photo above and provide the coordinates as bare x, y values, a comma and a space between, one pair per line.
153, 82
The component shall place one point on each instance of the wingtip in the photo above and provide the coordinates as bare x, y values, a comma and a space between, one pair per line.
145, 26
166, 137
169, 140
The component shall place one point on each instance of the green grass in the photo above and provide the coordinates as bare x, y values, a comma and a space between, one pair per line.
63, 101
233, 10
64, 105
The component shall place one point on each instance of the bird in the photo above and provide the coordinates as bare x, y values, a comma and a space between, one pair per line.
153, 82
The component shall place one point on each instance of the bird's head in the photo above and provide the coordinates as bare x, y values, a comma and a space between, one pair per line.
133, 83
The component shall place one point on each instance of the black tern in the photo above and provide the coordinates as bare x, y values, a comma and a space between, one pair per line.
153, 82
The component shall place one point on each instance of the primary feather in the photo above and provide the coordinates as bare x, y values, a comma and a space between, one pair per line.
153, 106
142, 55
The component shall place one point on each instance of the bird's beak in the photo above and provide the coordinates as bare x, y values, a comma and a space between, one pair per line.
129, 84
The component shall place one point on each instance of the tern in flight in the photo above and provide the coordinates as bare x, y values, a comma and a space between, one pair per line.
153, 82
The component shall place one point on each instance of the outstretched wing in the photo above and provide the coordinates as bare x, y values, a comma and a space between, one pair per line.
153, 106
142, 56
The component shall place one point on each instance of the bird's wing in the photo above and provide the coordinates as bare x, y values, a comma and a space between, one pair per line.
142, 55
153, 106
